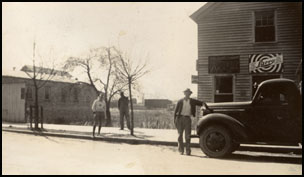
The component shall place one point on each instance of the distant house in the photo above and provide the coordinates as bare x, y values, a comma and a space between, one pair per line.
62, 97
241, 44
157, 103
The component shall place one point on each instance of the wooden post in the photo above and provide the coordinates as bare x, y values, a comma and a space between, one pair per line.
41, 116
31, 116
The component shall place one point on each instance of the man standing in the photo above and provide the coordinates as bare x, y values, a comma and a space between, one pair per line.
123, 106
182, 119
98, 109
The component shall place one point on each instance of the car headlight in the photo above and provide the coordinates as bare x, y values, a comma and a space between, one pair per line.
202, 111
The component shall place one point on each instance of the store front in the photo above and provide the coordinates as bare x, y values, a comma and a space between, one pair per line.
227, 80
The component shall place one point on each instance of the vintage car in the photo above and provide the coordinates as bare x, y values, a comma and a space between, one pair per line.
274, 116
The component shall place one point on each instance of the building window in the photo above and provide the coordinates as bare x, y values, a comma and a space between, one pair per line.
29, 93
76, 95
63, 94
47, 93
265, 26
22, 93
224, 64
223, 89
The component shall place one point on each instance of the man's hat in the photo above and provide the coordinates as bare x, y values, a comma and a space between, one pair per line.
188, 90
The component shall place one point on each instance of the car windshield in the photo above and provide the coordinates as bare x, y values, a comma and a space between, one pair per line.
276, 94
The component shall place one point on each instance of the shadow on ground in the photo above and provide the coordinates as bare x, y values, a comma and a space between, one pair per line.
252, 157
139, 135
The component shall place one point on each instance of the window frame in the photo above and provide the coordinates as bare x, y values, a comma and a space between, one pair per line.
76, 95
64, 95
45, 93
274, 24
233, 85
22, 93
28, 93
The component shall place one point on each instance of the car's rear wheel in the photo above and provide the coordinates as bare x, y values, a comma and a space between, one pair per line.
216, 141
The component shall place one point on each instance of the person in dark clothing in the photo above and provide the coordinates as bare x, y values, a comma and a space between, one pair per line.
123, 106
185, 108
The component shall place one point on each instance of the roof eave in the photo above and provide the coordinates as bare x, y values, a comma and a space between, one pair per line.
201, 10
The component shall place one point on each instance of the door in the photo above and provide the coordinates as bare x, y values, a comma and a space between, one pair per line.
13, 102
275, 114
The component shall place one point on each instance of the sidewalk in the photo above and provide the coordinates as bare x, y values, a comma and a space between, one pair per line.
142, 136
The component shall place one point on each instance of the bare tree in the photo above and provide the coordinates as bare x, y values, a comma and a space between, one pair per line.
99, 67
130, 72
40, 76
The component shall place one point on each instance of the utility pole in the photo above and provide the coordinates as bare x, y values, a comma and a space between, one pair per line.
36, 88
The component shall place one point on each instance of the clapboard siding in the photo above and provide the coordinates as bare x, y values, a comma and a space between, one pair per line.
228, 30
13, 107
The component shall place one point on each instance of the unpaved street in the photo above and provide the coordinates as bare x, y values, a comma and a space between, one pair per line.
29, 154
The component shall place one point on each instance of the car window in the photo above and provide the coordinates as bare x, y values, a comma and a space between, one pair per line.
270, 96
276, 95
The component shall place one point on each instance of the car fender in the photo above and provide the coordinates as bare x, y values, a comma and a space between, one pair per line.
237, 128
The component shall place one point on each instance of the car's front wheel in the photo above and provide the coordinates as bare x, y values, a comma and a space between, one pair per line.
216, 141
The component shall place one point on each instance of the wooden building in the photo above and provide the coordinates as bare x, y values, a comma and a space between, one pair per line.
241, 44
63, 98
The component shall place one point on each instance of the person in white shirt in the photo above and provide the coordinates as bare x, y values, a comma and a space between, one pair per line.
98, 109
185, 108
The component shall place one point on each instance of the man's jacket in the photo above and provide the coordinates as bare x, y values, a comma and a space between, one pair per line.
193, 103
123, 104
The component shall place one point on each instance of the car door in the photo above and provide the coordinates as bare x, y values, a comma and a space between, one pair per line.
274, 115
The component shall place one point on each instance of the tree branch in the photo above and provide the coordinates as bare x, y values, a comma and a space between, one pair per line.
91, 81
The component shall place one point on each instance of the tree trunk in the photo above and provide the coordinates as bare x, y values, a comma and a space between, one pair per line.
108, 115
131, 103
36, 108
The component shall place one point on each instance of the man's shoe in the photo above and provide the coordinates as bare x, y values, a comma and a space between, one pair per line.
188, 153
181, 153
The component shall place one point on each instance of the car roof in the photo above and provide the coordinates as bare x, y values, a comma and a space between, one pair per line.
279, 80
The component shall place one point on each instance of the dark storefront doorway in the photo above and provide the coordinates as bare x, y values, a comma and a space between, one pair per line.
256, 80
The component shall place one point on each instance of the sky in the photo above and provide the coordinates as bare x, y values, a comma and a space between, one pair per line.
162, 31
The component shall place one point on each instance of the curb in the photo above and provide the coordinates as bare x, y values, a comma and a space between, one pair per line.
294, 150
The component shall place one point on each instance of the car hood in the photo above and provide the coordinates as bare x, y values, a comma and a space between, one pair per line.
227, 105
